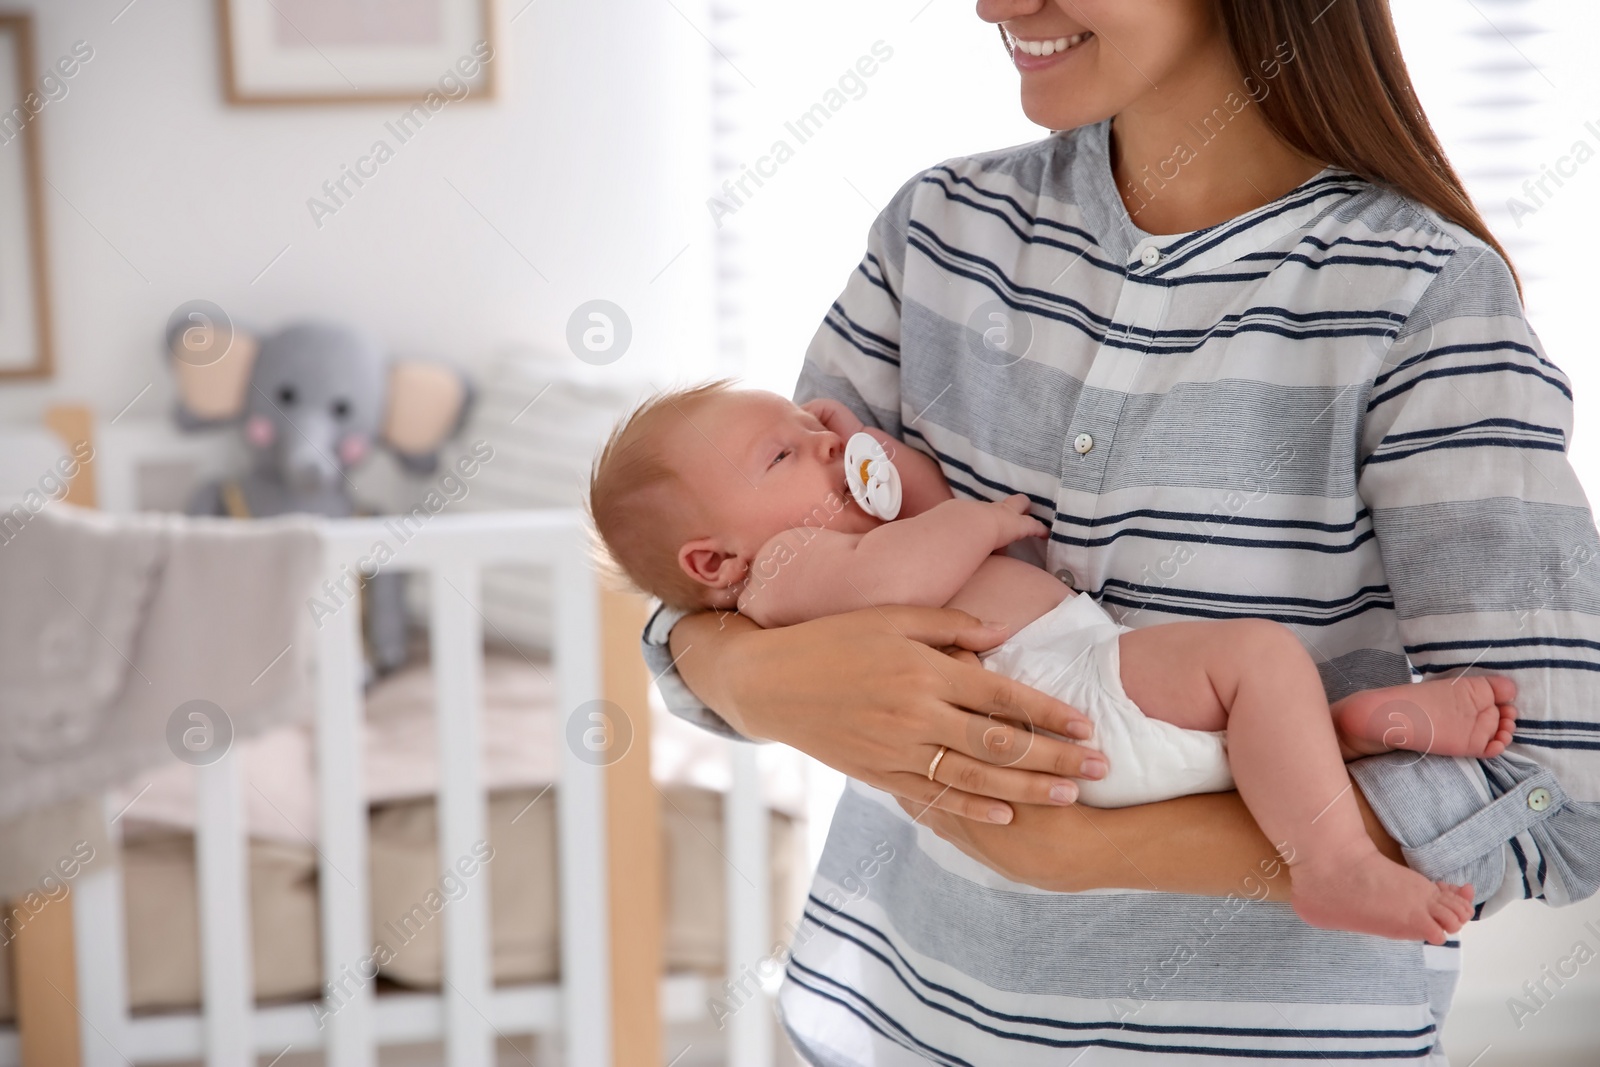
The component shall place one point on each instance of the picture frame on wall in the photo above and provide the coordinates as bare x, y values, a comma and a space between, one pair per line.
25, 344
350, 51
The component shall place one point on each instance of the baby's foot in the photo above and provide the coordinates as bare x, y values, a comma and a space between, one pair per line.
1371, 894
1467, 716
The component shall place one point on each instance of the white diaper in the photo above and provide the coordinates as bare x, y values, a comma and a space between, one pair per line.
1071, 653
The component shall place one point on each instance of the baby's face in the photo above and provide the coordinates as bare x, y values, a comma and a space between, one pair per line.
761, 465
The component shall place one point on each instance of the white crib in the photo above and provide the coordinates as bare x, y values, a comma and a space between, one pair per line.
589, 1008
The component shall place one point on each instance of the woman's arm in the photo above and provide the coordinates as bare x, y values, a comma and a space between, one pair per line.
1491, 555
869, 694
1203, 845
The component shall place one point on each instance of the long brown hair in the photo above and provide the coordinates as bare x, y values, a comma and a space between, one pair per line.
1346, 98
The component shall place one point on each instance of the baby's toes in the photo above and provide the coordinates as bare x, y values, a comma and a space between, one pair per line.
1503, 734
1459, 897
1444, 910
1503, 688
1508, 722
1438, 929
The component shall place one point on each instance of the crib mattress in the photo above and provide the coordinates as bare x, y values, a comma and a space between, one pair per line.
409, 903
522, 734
523, 739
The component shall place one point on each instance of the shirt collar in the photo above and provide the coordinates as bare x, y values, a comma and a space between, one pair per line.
1177, 255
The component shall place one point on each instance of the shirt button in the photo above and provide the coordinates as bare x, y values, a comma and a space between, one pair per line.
1539, 799
1150, 256
1067, 578
1083, 442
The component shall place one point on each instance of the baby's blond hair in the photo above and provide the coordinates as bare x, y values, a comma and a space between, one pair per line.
641, 508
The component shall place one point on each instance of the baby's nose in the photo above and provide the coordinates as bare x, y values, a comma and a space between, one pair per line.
832, 447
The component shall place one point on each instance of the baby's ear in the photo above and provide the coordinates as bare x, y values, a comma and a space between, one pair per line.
704, 560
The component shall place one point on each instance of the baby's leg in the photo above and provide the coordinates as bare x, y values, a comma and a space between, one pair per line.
1255, 677
1467, 716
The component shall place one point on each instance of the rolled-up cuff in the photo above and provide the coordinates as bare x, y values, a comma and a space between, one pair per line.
677, 696
1450, 824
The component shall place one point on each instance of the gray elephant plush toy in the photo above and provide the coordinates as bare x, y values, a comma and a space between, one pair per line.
314, 400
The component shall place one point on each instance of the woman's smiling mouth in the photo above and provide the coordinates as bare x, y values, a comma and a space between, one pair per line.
1036, 53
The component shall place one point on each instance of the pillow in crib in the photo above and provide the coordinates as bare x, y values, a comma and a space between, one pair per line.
539, 419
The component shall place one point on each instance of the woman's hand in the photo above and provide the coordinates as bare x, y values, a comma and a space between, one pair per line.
871, 694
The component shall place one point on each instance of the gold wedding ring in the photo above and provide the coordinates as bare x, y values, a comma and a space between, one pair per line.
937, 756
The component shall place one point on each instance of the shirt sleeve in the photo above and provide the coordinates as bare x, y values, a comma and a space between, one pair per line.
1493, 562
854, 359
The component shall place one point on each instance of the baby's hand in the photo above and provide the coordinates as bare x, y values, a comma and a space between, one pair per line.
834, 416
1013, 521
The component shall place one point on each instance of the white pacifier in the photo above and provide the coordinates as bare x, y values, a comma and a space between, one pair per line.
871, 476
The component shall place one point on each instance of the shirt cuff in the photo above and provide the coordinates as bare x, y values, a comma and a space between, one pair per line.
1451, 823
677, 696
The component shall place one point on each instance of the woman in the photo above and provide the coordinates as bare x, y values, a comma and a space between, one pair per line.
1242, 337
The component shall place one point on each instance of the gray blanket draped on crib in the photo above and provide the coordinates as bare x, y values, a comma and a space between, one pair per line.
108, 625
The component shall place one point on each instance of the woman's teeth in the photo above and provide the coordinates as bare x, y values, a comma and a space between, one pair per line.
1049, 47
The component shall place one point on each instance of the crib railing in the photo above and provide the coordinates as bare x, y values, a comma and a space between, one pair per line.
469, 1012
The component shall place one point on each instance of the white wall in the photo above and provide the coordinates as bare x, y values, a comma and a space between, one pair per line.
948, 90
1526, 66
592, 162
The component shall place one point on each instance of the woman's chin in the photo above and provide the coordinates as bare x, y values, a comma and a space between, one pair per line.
1048, 106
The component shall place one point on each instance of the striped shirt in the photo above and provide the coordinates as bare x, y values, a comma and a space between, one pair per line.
1330, 412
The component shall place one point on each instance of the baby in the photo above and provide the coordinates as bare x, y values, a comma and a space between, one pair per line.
714, 497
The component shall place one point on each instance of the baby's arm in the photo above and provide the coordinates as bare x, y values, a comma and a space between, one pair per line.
922, 483
807, 573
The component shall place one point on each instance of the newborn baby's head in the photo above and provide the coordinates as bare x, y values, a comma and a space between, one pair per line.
689, 487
